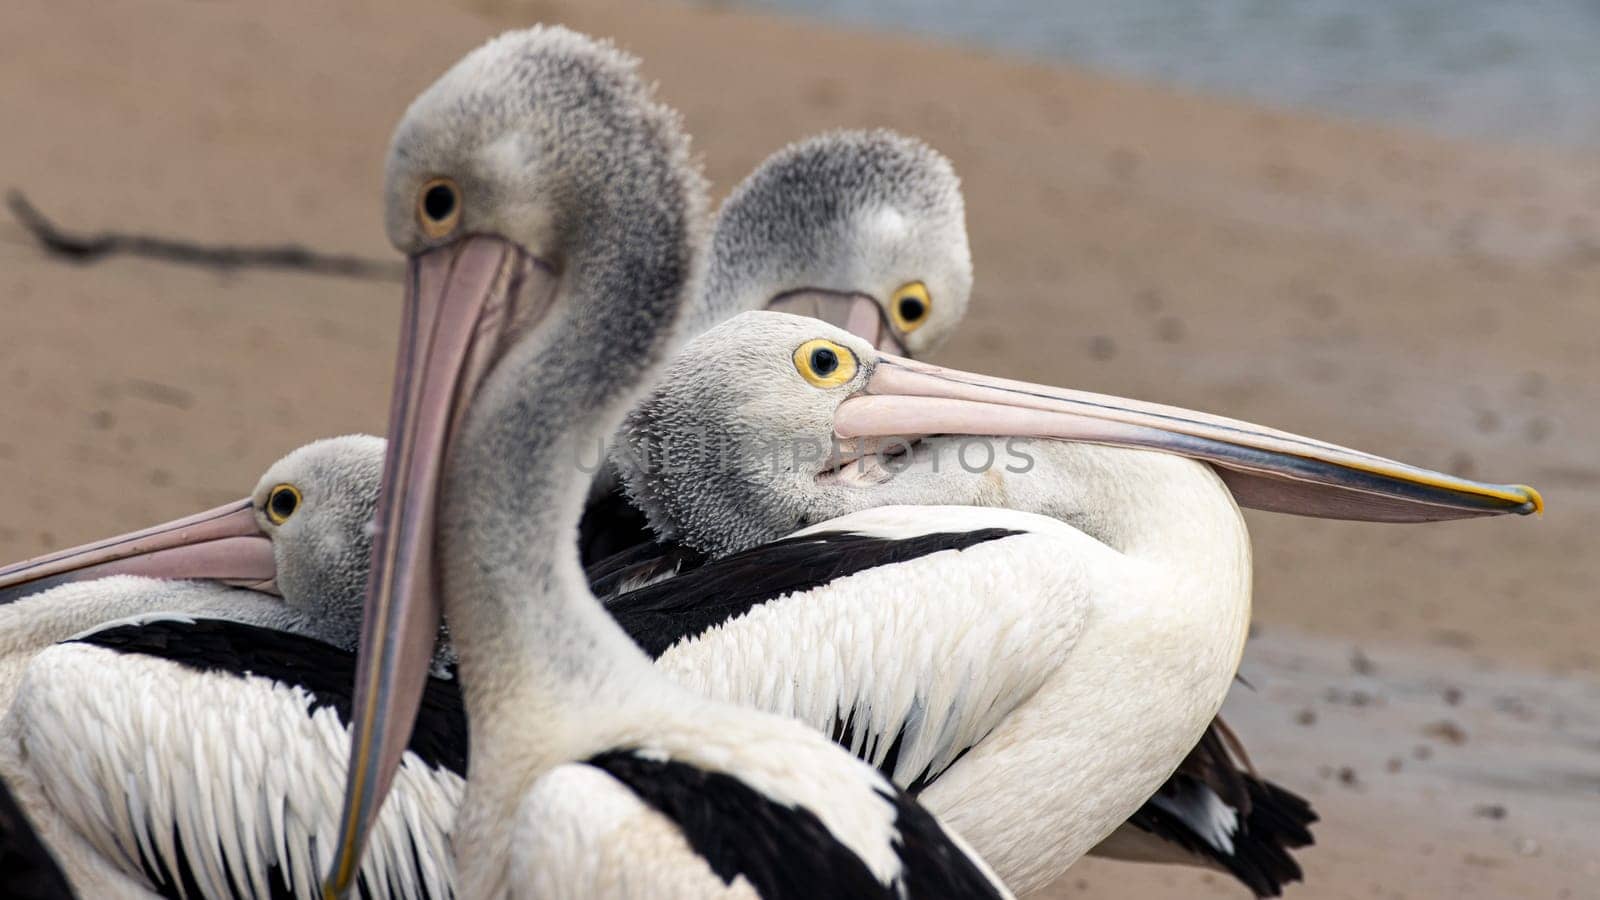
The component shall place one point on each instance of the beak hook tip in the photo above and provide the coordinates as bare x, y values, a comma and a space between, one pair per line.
1535, 503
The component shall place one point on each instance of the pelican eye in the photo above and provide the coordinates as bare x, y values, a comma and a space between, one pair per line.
910, 306
824, 363
439, 207
282, 502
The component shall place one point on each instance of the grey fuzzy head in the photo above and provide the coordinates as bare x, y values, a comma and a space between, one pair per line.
556, 144
735, 446
852, 213
323, 546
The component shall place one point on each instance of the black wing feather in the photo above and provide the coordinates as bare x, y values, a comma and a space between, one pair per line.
325, 672
1272, 819
786, 851
28, 871
642, 564
610, 524
660, 615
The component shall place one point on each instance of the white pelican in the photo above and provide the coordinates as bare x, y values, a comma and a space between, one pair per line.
188, 738
298, 543
867, 230
869, 749
551, 217
1038, 685
345, 582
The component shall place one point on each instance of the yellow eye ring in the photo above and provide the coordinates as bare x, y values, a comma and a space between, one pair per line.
281, 503
824, 363
910, 306
439, 207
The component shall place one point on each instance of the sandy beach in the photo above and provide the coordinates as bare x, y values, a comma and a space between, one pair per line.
1435, 691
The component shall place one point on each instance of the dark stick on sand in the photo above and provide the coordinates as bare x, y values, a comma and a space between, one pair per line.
85, 249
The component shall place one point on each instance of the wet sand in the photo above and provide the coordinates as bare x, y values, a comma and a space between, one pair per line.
1427, 299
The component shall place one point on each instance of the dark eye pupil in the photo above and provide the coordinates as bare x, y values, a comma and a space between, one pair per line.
283, 503
912, 309
439, 202
824, 361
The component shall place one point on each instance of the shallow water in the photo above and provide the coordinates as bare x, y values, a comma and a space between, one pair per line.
1525, 72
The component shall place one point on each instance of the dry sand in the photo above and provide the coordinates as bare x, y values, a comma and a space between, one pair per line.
1431, 300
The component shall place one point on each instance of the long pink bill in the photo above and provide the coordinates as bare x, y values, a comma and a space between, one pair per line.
460, 299
1263, 467
224, 544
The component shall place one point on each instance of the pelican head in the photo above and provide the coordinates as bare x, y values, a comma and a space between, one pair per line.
302, 534
770, 422
316, 505
551, 218
863, 229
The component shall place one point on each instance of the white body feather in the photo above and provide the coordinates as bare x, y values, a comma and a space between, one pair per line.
1078, 676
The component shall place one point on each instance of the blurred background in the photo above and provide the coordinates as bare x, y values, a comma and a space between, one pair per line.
1378, 224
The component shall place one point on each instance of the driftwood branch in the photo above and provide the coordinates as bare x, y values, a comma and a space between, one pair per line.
85, 249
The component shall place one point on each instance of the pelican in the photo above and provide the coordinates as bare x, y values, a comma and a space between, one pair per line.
866, 230
551, 217
1034, 687
188, 738
297, 544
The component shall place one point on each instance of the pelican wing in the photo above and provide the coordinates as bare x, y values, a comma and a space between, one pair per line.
640, 566
206, 758
905, 634
1217, 808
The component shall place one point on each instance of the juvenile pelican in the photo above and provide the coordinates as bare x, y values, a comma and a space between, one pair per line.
981, 678
550, 214
189, 738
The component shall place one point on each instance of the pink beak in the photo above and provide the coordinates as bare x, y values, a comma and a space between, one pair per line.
460, 300
223, 544
858, 314
1263, 467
